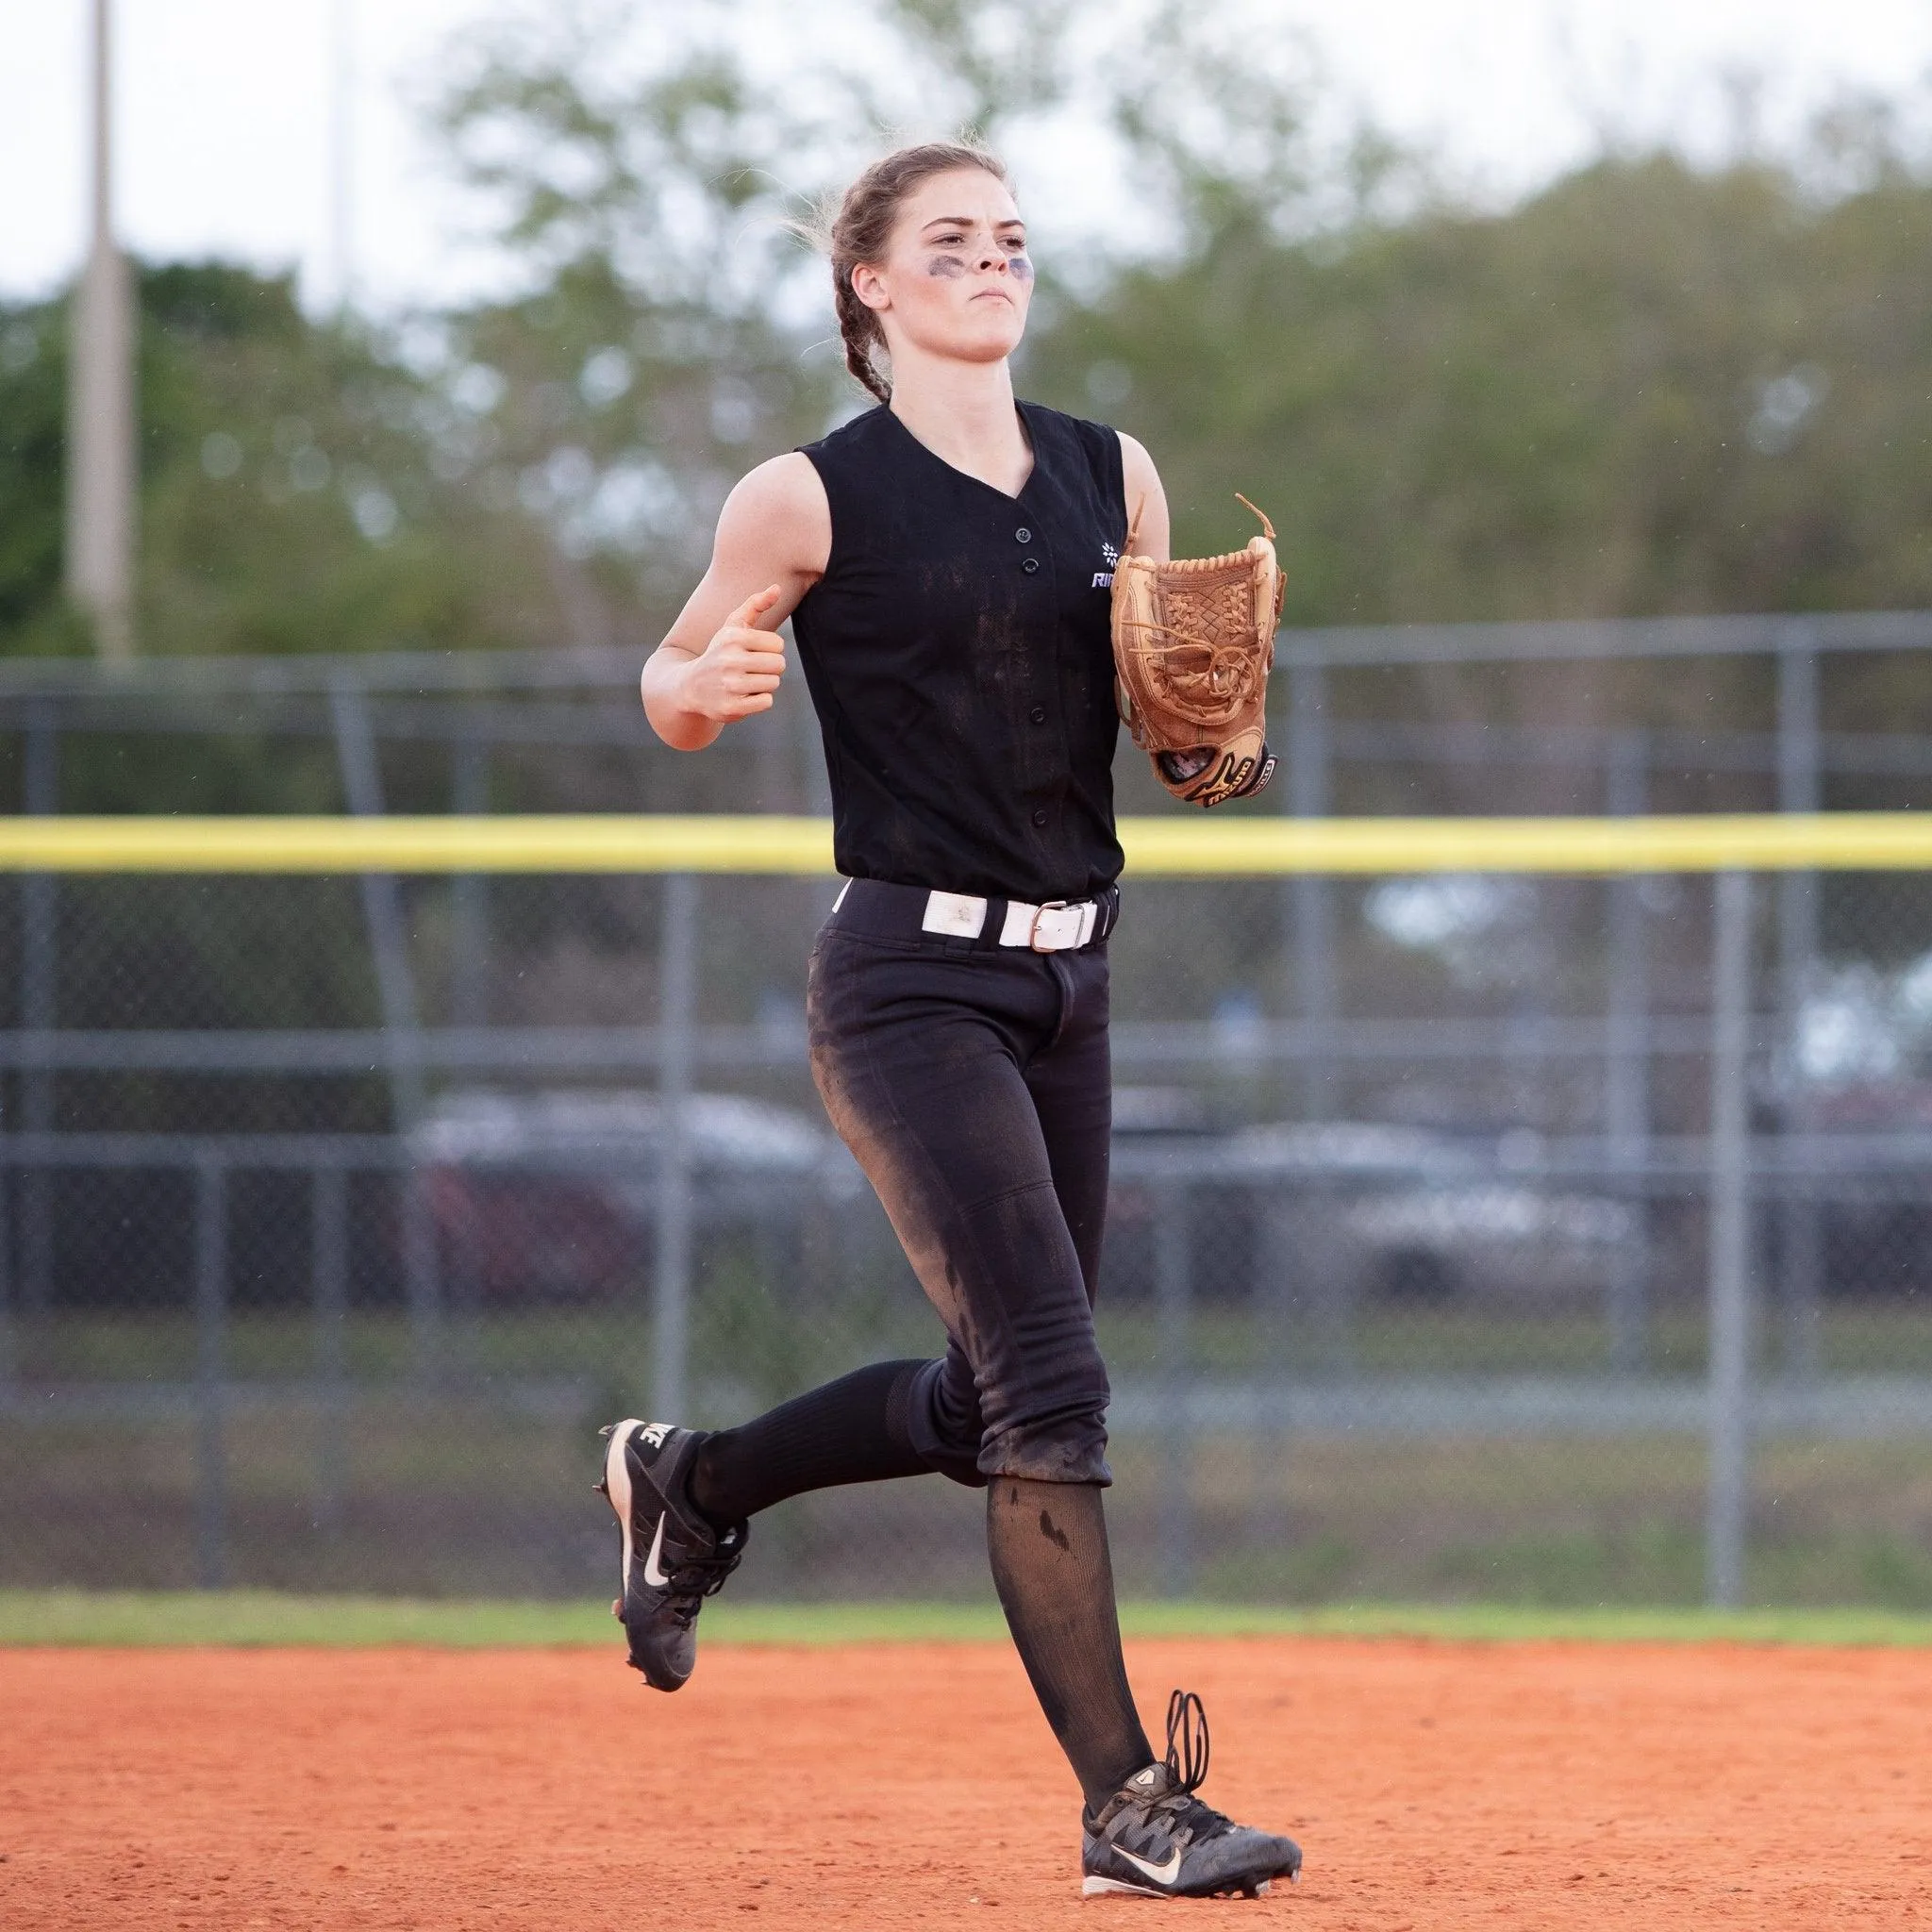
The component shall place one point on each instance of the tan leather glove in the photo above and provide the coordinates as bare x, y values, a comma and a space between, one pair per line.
1194, 641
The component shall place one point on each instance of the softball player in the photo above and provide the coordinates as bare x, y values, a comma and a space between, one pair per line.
946, 560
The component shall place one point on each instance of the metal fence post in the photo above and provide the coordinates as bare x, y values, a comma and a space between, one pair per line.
676, 1002
1730, 1234
1309, 902
1282, 1259
468, 966
382, 908
328, 1235
210, 1374
38, 941
1800, 1257
469, 1006
1334, 1285
1626, 1067
1173, 1290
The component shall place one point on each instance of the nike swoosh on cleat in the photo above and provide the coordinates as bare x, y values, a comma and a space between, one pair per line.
1161, 1875
656, 1578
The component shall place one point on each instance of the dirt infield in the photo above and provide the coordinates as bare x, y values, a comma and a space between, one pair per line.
1433, 1785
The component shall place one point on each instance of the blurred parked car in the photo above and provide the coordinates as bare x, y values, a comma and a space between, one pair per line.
1438, 1244
1857, 1062
1419, 1216
551, 1195
1874, 1240
1378, 1210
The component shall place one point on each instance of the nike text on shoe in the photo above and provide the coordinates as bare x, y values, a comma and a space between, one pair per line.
1156, 1838
673, 1558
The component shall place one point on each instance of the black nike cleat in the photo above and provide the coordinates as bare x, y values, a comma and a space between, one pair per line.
1154, 1839
673, 1558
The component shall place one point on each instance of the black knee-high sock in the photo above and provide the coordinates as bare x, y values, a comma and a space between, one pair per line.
1050, 1563
850, 1431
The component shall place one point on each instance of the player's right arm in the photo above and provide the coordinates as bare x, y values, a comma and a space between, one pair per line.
722, 659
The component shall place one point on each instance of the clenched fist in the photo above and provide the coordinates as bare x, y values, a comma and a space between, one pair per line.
739, 669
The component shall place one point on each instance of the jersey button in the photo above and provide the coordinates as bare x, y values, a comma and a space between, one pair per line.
1032, 565
1039, 818
1037, 714
1023, 536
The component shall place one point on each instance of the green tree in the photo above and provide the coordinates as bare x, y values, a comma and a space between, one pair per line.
301, 488
1649, 388
33, 409
646, 364
650, 174
1646, 390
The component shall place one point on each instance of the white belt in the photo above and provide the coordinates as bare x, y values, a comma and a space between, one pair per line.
1055, 927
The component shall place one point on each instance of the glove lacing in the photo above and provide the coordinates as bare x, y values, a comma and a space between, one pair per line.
1207, 682
1210, 683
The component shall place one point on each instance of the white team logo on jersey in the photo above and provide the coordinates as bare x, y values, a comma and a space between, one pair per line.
1103, 579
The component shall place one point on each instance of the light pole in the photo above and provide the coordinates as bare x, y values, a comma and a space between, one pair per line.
100, 412
342, 184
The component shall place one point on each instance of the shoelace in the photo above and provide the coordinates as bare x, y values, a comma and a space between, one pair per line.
1187, 1741
1193, 1821
695, 1578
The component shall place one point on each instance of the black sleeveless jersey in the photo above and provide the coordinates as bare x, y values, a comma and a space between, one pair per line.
958, 651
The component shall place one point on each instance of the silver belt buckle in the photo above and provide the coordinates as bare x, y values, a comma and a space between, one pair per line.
1033, 934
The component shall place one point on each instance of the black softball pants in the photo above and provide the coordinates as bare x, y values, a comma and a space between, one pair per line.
972, 1083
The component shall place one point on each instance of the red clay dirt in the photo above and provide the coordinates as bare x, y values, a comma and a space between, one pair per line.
1431, 1785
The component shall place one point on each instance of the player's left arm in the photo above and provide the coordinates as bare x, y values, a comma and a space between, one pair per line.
1146, 501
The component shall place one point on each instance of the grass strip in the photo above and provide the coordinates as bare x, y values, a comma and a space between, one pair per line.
257, 1618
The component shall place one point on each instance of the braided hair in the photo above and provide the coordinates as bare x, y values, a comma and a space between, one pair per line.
862, 228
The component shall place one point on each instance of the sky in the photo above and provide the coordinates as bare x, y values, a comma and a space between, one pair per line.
223, 112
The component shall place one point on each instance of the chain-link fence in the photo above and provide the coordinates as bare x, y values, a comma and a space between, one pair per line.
1471, 1233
